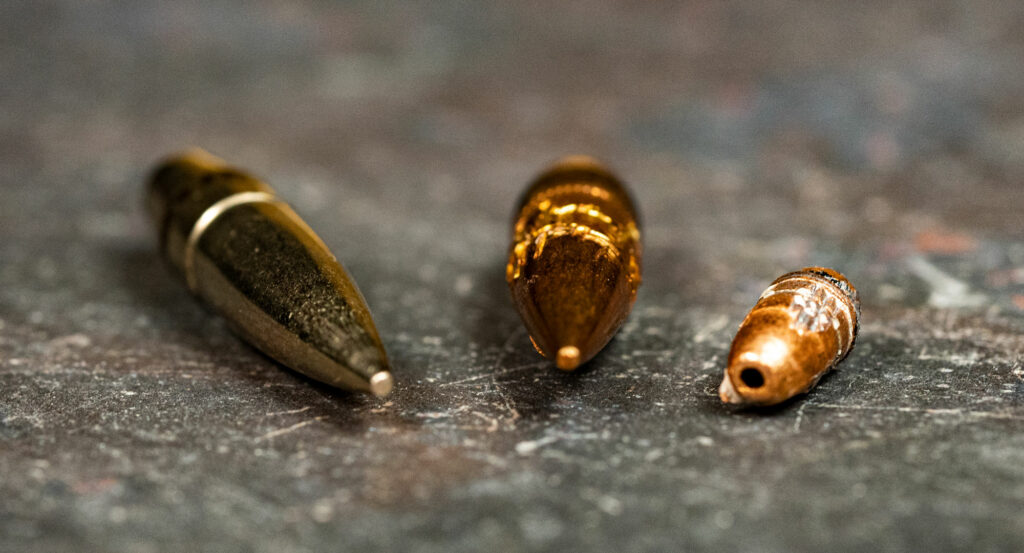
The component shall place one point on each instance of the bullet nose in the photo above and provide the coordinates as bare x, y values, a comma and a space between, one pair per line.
381, 384
800, 327
568, 358
256, 262
747, 382
752, 380
752, 377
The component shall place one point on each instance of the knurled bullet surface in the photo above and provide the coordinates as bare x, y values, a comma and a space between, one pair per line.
802, 326
574, 262
251, 258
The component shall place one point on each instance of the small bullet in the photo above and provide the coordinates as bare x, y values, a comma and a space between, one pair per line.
574, 262
255, 262
802, 326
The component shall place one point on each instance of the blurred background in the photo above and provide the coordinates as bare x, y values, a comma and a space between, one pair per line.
885, 139
903, 116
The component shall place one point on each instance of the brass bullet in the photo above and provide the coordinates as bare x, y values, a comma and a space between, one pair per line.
254, 261
802, 326
574, 262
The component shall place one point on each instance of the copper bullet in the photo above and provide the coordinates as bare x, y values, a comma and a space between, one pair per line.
253, 260
574, 262
803, 325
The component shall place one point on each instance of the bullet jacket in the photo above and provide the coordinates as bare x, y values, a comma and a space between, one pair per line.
802, 326
574, 261
254, 261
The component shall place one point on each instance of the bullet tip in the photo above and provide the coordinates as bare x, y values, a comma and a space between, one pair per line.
568, 358
579, 160
381, 384
727, 392
199, 156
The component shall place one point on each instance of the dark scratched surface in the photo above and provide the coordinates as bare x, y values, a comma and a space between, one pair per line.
883, 139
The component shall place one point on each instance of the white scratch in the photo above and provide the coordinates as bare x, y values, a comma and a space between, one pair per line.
492, 423
528, 447
716, 323
505, 348
490, 374
922, 410
72, 340
292, 428
35, 420
291, 412
799, 417
946, 291
442, 414
967, 359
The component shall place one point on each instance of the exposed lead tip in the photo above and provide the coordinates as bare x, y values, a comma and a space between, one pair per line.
726, 392
381, 384
568, 358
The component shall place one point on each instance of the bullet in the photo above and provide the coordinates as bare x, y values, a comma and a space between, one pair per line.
256, 263
802, 326
574, 262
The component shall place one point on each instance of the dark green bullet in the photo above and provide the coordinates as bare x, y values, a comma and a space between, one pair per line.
250, 257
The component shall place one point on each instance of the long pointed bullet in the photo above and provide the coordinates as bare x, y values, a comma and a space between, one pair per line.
574, 263
802, 326
253, 260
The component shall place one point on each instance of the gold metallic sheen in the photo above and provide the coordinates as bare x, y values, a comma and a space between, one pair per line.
802, 326
574, 261
254, 261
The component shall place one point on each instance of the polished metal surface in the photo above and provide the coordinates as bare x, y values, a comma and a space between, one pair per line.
885, 140
802, 326
574, 263
254, 261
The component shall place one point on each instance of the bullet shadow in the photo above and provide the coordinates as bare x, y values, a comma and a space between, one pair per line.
494, 318
177, 318
791, 405
149, 282
536, 392
522, 378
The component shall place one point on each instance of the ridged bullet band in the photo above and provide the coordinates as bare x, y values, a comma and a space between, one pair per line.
801, 327
208, 217
826, 300
574, 261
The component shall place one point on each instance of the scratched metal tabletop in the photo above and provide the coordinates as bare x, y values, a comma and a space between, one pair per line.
883, 139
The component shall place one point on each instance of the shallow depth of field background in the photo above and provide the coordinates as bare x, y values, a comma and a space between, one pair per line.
884, 139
